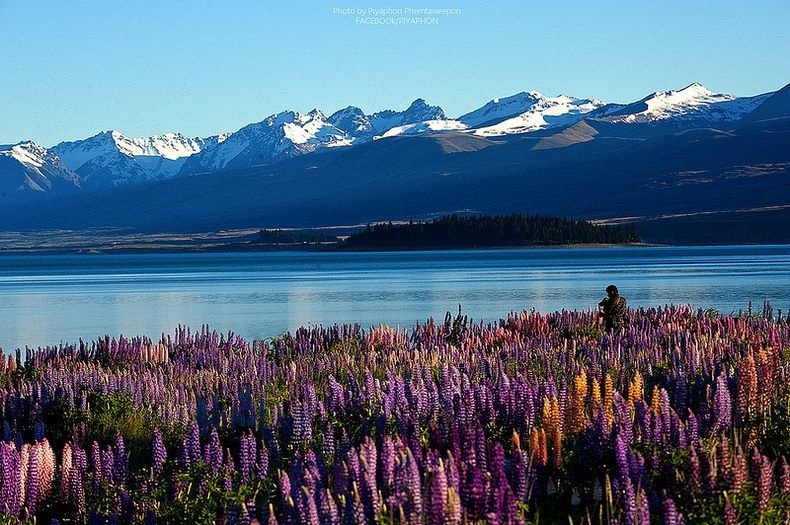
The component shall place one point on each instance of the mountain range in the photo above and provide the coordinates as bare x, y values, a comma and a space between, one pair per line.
675, 153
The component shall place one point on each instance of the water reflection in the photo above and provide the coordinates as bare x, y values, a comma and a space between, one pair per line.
48, 299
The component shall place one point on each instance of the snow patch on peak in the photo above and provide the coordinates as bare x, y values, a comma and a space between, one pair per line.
426, 126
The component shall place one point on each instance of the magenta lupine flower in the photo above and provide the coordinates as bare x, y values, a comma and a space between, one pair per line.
670, 512
730, 518
158, 453
740, 470
722, 406
784, 476
32, 484
724, 460
765, 483
694, 472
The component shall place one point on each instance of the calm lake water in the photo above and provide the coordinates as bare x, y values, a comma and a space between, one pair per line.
46, 300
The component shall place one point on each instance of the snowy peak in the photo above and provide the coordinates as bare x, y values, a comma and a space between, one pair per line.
500, 109
111, 158
352, 121
694, 102
282, 135
169, 146
27, 167
543, 112
418, 111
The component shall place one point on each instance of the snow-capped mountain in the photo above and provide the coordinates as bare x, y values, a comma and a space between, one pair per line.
27, 167
110, 158
693, 103
286, 134
362, 128
543, 112
500, 109
290, 133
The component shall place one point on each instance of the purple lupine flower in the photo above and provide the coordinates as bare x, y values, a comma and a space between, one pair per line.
245, 461
474, 492
120, 461
621, 457
38, 431
108, 465
76, 491
158, 453
632, 512
212, 453
193, 444
340, 477
327, 509
643, 506
96, 465
369, 489
263, 461
306, 509
670, 512
436, 496
285, 490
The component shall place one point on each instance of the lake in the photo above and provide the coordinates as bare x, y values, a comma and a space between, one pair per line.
49, 299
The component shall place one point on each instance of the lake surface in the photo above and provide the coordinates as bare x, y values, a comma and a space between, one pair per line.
49, 299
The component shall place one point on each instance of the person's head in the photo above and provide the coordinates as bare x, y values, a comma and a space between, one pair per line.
611, 290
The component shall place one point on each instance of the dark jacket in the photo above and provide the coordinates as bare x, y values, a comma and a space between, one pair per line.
614, 312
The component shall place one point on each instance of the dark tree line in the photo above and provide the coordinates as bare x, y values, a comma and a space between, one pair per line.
500, 230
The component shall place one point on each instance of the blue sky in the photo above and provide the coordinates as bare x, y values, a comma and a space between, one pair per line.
72, 69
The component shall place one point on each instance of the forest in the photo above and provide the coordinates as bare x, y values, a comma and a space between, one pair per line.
499, 230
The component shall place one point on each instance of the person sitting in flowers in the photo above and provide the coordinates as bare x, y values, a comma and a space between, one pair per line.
612, 309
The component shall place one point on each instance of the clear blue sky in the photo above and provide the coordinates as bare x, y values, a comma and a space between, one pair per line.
73, 68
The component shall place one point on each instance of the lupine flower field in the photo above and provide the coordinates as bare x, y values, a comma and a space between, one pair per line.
684, 417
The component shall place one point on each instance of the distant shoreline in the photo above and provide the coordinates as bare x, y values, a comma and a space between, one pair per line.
252, 248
